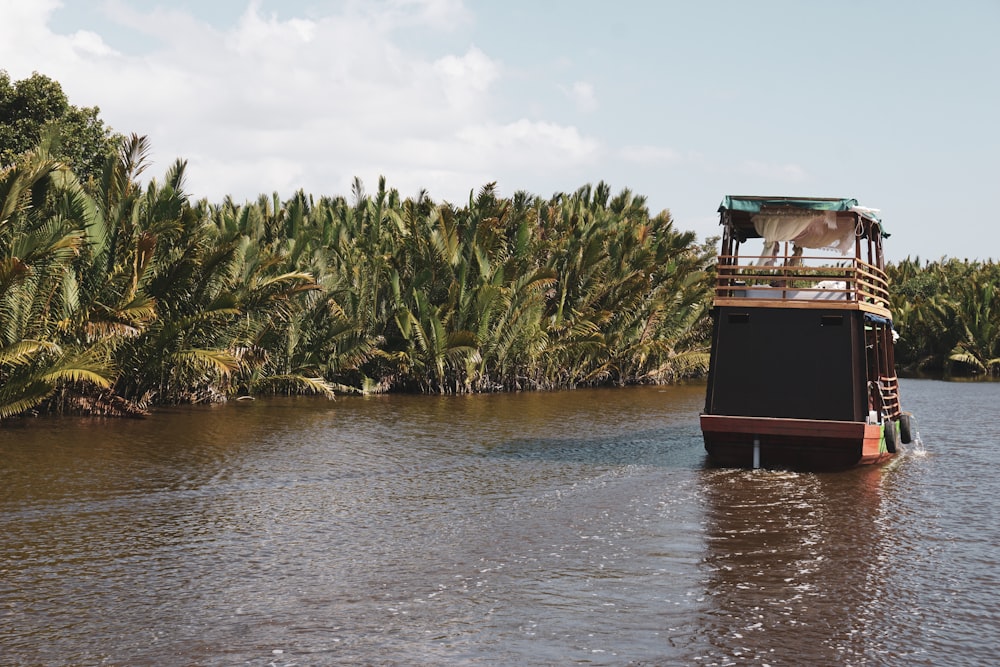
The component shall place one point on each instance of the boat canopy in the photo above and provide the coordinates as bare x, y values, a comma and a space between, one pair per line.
756, 204
809, 222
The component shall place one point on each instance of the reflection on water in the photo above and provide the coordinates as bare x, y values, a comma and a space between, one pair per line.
794, 561
505, 529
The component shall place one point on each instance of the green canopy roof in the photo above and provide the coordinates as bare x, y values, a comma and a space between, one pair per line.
753, 205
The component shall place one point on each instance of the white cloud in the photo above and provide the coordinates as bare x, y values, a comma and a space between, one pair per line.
84, 42
256, 35
466, 78
532, 143
582, 95
161, 26
273, 104
27, 45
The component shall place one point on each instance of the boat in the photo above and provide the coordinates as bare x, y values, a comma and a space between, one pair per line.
802, 371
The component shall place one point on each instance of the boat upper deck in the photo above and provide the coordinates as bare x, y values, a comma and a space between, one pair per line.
790, 270
801, 282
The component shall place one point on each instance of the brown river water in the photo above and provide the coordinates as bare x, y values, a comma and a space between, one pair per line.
580, 527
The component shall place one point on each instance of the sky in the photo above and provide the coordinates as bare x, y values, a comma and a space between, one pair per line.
893, 102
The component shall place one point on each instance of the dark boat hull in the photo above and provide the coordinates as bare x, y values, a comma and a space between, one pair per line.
808, 444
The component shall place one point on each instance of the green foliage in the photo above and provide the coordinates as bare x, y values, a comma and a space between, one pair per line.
118, 296
38, 294
948, 315
36, 108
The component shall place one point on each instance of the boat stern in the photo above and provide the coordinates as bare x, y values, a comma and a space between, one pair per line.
810, 444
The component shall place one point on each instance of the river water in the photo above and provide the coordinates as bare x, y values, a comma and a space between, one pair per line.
579, 527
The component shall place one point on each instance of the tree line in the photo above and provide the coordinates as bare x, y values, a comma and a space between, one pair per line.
948, 316
115, 296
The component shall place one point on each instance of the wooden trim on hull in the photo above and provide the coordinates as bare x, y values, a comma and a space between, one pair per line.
813, 444
744, 302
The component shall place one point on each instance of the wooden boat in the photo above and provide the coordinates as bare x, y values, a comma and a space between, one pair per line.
802, 367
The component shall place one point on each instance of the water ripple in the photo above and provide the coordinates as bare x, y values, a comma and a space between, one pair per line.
511, 529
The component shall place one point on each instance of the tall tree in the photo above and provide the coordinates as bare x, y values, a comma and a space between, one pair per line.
37, 106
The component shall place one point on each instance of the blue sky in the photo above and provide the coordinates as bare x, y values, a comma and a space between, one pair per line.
894, 103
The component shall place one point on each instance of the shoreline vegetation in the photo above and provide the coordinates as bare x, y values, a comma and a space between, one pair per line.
117, 296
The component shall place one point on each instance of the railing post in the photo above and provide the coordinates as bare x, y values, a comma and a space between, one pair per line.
854, 280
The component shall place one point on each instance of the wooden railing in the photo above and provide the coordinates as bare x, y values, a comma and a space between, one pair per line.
799, 278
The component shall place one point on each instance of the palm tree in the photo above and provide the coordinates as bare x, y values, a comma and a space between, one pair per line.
201, 302
39, 243
948, 313
977, 303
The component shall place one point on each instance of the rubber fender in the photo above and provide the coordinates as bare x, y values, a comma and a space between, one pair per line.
891, 436
906, 428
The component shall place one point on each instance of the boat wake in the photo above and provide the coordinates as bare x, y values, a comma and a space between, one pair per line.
917, 447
